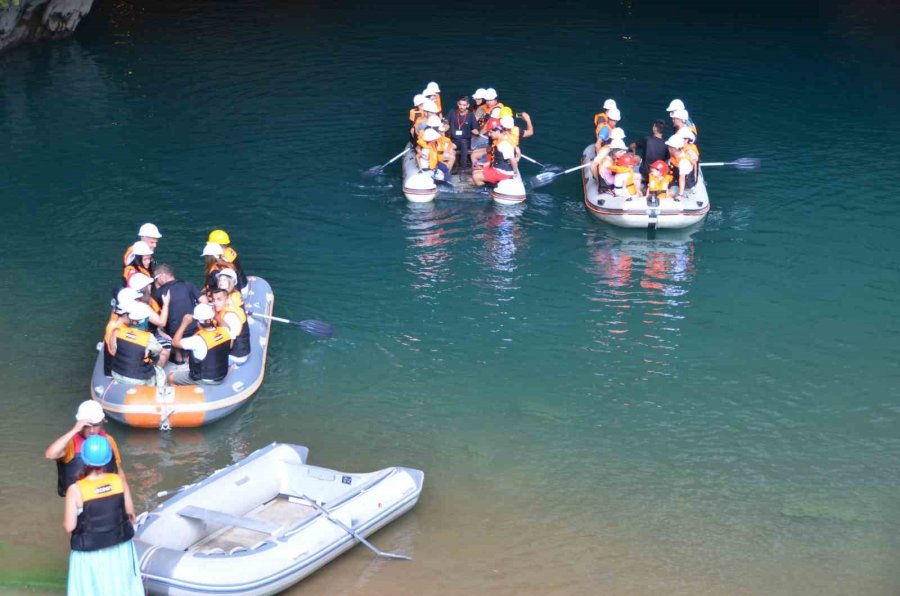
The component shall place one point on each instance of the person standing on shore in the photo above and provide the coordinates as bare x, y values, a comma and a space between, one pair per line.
99, 515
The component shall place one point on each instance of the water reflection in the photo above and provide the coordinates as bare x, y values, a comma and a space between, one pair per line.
640, 286
502, 239
429, 254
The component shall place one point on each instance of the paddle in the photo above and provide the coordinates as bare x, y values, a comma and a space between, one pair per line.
353, 533
311, 326
744, 163
375, 170
547, 168
545, 178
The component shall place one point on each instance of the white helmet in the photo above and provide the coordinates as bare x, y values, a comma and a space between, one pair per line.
681, 114
617, 133
124, 299
141, 249
433, 120
431, 88
507, 122
676, 141
687, 133
430, 106
479, 93
91, 411
148, 230
617, 144
614, 114
490, 93
204, 312
227, 272
430, 134
418, 99
675, 104
139, 281
610, 104
138, 311
212, 250
495, 113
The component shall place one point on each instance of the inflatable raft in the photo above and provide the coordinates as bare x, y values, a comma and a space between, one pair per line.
420, 187
192, 405
639, 212
251, 528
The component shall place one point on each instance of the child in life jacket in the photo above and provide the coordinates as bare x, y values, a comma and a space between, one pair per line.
659, 180
626, 182
428, 155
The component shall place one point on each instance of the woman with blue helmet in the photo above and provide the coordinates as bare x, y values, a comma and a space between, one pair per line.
99, 515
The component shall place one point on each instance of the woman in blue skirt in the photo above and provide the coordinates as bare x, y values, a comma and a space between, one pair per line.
99, 514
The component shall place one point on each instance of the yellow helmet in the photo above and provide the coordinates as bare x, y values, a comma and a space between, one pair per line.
219, 237
506, 111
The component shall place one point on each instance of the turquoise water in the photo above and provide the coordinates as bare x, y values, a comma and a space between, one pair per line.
704, 413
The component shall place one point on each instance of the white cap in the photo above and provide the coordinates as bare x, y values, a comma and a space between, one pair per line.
430, 106
433, 120
430, 134
212, 250
675, 104
203, 312
227, 272
139, 281
418, 99
610, 104
141, 248
125, 297
617, 133
681, 114
479, 94
431, 88
495, 113
490, 93
687, 133
507, 122
617, 144
506, 150
676, 140
148, 230
138, 311
614, 114
91, 411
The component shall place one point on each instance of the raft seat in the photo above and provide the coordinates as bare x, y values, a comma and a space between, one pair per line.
227, 519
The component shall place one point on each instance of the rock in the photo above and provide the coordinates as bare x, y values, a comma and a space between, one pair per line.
25, 21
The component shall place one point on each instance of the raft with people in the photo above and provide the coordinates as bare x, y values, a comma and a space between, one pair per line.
663, 210
170, 406
472, 147
266, 522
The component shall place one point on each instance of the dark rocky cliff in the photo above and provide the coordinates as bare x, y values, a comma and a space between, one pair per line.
23, 21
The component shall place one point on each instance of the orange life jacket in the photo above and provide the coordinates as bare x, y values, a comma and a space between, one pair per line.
512, 136
434, 152
126, 259
241, 346
659, 184
443, 144
600, 119
229, 255
629, 181
131, 359
132, 269
415, 114
214, 365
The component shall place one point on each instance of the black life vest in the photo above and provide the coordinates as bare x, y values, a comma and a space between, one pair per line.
103, 521
131, 358
214, 366
67, 472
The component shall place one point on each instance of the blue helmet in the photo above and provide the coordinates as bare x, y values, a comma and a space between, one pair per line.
96, 451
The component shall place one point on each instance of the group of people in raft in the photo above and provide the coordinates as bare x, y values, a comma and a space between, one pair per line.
157, 319
480, 137
662, 165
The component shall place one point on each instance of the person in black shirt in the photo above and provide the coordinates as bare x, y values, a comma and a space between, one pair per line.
183, 297
462, 123
651, 148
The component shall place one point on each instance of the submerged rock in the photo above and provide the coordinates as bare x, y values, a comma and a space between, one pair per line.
23, 21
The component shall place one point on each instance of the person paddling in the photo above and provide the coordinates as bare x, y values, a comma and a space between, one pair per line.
602, 117
99, 514
66, 449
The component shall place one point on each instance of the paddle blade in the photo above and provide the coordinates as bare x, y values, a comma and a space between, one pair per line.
316, 328
543, 179
550, 169
747, 163
373, 171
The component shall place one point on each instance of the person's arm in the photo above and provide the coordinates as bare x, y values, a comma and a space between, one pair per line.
57, 448
159, 319
529, 127
129, 504
153, 346
73, 503
176, 339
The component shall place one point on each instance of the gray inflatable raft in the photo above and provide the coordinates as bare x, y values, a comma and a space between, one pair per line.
249, 529
192, 405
